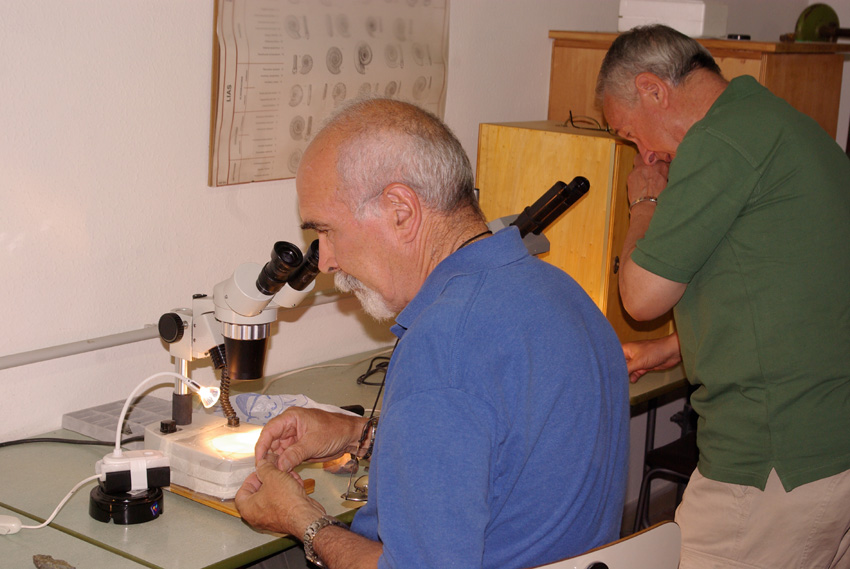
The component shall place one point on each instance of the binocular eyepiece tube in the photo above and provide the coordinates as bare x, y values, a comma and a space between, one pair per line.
301, 277
539, 215
286, 258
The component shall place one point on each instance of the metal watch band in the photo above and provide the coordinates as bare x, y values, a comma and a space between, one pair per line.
311, 532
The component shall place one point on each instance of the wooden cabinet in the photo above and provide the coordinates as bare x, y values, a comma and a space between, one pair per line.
519, 162
807, 75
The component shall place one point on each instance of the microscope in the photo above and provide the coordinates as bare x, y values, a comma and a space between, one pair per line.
210, 458
210, 455
232, 326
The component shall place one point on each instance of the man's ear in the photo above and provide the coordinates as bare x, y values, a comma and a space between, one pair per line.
652, 88
404, 209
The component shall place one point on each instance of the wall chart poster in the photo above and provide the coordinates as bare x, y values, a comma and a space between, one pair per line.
282, 66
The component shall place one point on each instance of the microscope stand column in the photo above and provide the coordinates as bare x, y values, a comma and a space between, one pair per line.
181, 400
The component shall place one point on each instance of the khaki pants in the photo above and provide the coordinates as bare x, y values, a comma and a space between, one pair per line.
731, 526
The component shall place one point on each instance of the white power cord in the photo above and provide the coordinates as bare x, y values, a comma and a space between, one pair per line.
11, 524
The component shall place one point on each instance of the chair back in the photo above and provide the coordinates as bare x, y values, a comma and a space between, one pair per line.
657, 547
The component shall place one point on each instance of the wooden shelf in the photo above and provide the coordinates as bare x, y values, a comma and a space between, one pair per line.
806, 74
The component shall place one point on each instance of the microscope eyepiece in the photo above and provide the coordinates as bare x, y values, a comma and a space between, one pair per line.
552, 204
306, 273
286, 257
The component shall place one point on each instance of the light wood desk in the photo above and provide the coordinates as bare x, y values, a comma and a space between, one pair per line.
187, 535
17, 550
655, 384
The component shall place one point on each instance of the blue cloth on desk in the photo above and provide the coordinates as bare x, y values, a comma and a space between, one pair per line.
503, 439
259, 409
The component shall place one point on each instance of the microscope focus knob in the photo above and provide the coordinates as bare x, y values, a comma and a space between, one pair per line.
171, 327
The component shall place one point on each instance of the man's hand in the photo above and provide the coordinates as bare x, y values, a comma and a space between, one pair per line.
651, 355
647, 179
299, 435
275, 501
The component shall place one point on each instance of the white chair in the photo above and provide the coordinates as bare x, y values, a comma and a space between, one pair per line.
657, 547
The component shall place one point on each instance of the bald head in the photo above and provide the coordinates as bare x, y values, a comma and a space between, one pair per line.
383, 141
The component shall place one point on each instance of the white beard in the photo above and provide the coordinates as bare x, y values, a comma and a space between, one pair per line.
372, 302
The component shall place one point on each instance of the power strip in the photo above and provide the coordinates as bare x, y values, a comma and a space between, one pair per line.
134, 470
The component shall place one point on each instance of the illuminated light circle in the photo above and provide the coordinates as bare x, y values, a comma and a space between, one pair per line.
237, 443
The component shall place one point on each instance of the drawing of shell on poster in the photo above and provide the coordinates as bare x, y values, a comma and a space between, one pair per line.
284, 66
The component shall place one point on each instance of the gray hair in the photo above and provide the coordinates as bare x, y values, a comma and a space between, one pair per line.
656, 49
385, 141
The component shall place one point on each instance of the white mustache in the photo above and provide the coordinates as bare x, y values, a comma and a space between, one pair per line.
346, 283
372, 302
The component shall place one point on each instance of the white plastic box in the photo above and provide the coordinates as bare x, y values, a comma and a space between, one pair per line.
693, 18
199, 460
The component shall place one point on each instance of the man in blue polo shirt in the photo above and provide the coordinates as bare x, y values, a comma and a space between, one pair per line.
503, 434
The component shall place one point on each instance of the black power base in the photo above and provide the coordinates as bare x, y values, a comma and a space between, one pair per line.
125, 508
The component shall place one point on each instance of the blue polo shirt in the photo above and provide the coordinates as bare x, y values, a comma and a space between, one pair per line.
503, 437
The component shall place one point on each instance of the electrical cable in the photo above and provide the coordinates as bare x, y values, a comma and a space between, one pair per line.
11, 524
64, 500
70, 441
380, 367
374, 368
274, 378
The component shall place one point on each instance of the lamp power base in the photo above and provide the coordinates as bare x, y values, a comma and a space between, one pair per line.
125, 508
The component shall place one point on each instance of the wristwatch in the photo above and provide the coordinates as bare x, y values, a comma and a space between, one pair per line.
311, 532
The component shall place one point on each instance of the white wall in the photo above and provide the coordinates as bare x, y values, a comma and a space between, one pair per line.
842, 9
106, 220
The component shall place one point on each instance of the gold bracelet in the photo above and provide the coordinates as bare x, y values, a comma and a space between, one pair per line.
643, 199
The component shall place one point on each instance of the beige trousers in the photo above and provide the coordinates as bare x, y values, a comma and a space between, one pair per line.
730, 526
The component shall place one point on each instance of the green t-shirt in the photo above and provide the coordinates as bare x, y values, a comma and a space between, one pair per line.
756, 220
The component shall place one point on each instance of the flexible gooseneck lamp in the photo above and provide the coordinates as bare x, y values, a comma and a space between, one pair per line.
208, 395
129, 489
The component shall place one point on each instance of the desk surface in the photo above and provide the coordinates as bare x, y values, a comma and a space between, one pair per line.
656, 383
17, 550
188, 534
37, 476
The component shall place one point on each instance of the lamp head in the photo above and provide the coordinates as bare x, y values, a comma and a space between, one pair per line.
208, 395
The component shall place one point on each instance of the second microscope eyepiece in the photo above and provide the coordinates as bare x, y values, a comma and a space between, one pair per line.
286, 257
306, 273
536, 217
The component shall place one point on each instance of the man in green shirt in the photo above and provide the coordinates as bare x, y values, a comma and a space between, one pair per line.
749, 243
